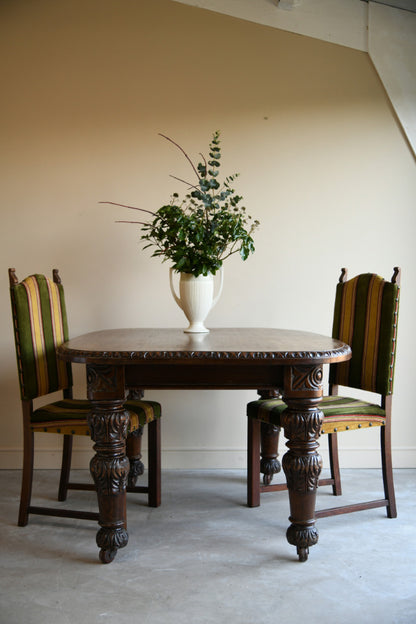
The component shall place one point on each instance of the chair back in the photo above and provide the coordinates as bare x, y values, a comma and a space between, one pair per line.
40, 325
365, 317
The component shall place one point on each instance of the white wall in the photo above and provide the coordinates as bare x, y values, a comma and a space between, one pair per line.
324, 166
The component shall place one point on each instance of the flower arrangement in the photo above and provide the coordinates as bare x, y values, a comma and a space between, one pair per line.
196, 234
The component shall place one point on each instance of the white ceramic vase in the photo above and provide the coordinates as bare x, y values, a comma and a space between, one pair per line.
196, 298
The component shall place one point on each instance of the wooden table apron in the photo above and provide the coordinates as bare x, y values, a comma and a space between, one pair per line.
244, 358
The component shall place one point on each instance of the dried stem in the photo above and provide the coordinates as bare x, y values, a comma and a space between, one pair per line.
184, 181
125, 206
183, 152
136, 222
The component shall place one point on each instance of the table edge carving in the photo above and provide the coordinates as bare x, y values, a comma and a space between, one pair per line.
132, 356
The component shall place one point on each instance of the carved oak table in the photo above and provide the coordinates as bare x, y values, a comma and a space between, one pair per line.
260, 359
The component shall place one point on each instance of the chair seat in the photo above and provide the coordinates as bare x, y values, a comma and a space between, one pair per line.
69, 416
340, 413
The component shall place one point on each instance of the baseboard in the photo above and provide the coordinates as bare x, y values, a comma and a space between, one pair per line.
193, 459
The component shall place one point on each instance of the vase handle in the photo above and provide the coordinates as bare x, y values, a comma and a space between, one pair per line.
220, 288
172, 288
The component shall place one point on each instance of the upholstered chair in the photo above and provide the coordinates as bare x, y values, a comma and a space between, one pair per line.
40, 326
365, 317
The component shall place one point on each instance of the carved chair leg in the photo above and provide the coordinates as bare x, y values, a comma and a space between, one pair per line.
386, 462
334, 464
253, 462
65, 468
27, 477
134, 454
269, 464
154, 479
134, 443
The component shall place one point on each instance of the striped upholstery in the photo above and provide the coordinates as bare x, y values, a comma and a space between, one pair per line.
40, 325
340, 413
69, 416
365, 317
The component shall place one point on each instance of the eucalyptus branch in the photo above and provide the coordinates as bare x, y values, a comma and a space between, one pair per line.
205, 161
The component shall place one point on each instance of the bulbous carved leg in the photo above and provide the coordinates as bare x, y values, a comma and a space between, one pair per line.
108, 423
302, 466
269, 464
109, 468
302, 422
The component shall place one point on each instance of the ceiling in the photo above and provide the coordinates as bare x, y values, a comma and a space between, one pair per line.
385, 29
338, 21
407, 5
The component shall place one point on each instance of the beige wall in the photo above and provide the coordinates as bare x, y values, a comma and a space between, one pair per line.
87, 86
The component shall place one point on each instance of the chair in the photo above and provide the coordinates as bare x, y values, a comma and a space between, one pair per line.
365, 317
40, 325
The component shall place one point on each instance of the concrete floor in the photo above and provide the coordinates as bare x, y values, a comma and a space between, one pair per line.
203, 557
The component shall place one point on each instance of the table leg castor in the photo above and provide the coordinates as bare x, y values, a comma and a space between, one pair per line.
107, 556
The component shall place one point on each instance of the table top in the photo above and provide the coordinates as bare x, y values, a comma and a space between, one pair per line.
279, 346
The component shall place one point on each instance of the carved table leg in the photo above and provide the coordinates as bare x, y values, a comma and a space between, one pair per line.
108, 423
302, 422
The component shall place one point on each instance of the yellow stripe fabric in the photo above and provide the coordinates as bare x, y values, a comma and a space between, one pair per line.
64, 428
134, 422
149, 412
56, 312
336, 426
38, 339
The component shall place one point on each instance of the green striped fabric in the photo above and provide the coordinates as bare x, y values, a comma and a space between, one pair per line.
341, 412
40, 325
365, 317
70, 416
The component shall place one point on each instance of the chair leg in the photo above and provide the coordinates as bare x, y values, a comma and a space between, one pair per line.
334, 464
134, 454
27, 477
387, 467
65, 468
269, 464
154, 452
253, 462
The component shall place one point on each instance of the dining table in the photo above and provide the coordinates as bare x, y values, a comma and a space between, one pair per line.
236, 358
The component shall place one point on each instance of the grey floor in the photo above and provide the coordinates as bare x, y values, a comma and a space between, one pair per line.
203, 557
